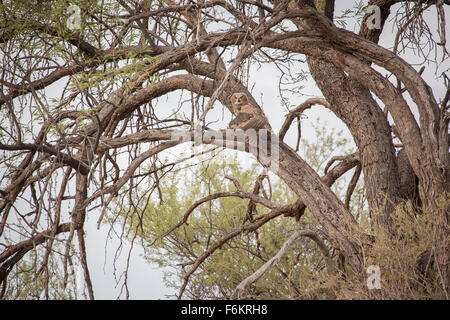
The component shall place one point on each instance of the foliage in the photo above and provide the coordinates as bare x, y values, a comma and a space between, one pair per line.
404, 257
27, 283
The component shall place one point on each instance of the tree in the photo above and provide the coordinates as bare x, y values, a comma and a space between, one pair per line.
113, 62
215, 227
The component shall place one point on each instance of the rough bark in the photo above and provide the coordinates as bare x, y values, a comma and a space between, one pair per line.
354, 105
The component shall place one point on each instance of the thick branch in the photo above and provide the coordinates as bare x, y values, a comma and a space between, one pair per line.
60, 157
8, 258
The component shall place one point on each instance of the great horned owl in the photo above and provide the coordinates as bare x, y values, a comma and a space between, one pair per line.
247, 116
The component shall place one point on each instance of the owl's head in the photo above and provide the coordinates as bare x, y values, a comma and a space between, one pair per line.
238, 100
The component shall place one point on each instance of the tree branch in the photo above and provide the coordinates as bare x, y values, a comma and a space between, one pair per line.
240, 289
298, 111
60, 156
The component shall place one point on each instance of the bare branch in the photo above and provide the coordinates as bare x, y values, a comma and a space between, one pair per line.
298, 111
240, 289
352, 185
59, 156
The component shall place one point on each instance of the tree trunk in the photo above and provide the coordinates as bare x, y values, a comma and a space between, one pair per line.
354, 105
338, 223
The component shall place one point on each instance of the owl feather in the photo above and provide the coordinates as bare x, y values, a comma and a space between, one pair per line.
247, 115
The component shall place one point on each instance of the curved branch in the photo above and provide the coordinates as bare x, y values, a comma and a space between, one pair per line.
297, 111
8, 258
334, 159
352, 185
238, 292
421, 93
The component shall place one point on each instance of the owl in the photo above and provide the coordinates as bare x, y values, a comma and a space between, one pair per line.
247, 116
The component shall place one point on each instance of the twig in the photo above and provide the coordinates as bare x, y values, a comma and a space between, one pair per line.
235, 182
